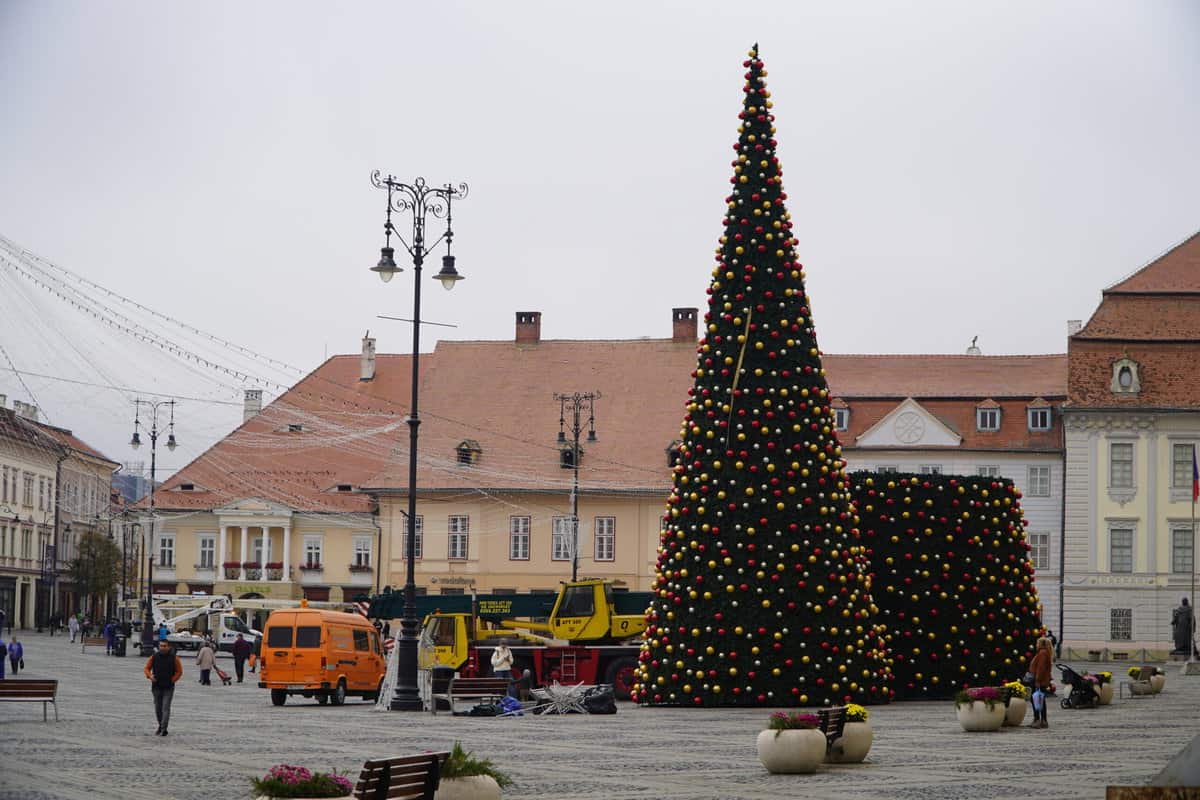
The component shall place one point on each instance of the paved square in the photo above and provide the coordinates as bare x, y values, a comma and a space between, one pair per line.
221, 736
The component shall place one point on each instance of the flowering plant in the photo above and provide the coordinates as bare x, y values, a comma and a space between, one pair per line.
982, 694
229, 564
251, 564
856, 713
1142, 673
1017, 689
274, 565
783, 721
285, 780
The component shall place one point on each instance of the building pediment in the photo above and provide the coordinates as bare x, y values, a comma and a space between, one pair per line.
253, 507
909, 424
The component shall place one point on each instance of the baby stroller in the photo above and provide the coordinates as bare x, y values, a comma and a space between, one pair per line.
1084, 693
223, 675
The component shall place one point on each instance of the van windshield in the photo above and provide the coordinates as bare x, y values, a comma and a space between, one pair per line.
308, 636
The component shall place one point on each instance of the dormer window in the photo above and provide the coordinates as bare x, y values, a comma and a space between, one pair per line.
987, 416
1039, 419
295, 427
841, 419
345, 487
468, 452
187, 487
1125, 378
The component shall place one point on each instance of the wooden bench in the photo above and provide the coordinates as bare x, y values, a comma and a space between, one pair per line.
93, 641
400, 778
471, 688
832, 724
29, 690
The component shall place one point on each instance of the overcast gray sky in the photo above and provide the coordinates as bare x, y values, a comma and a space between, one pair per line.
954, 169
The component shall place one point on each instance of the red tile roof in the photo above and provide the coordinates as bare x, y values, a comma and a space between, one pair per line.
65, 437
979, 377
1176, 271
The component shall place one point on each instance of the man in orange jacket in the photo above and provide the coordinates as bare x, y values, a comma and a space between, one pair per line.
163, 670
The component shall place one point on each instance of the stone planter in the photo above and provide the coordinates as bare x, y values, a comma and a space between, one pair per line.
976, 716
853, 745
791, 751
1106, 694
472, 787
1015, 715
1156, 683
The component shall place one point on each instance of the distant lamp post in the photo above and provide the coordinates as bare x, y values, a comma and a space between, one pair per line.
135, 443
420, 200
577, 404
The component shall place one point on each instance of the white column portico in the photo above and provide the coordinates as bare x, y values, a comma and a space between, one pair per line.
221, 538
287, 552
242, 562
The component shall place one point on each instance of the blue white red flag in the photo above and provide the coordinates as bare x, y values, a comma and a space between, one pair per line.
1195, 477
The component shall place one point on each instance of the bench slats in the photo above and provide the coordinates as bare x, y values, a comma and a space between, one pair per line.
29, 690
472, 688
400, 778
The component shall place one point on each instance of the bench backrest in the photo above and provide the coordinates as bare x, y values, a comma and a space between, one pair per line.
27, 687
94, 640
400, 778
464, 685
833, 721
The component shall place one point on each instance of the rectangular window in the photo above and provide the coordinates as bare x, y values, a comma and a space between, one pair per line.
1120, 550
1039, 482
560, 539
1181, 550
1040, 552
308, 636
279, 636
841, 418
312, 551
362, 551
166, 550
987, 419
459, 530
1120, 621
41, 493
361, 640
208, 549
606, 538
931, 469
887, 469
989, 471
260, 554
518, 538
1181, 466
27, 501
419, 538
1039, 419
1120, 465
4, 486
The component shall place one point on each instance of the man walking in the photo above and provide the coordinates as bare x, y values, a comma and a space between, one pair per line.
73, 626
163, 670
241, 651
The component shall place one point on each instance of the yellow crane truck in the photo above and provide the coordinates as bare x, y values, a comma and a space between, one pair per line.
586, 633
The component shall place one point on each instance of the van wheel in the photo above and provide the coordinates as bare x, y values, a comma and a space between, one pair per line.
278, 697
338, 695
322, 698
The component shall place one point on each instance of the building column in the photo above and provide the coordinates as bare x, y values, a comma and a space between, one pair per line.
267, 559
287, 552
242, 562
221, 545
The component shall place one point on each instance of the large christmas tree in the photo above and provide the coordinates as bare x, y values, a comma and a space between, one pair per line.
762, 597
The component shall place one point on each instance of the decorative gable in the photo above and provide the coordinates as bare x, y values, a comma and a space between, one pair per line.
909, 425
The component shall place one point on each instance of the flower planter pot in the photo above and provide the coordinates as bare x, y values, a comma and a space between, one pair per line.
473, 787
1015, 714
791, 751
270, 797
1106, 693
853, 745
976, 716
1157, 682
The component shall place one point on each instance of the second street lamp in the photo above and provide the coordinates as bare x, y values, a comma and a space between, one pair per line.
420, 200
135, 443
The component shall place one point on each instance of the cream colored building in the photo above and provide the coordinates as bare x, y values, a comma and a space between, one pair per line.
1132, 421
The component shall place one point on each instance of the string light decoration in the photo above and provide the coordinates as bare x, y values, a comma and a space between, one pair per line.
952, 578
761, 593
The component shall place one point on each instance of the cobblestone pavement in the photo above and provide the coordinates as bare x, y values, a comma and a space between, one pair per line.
104, 744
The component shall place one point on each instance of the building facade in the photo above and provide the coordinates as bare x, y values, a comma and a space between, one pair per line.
1132, 425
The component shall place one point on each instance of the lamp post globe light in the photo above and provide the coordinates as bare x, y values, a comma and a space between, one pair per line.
420, 201
135, 443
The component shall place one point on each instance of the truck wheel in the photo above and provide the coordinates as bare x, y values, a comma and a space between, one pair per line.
621, 674
322, 698
278, 697
338, 695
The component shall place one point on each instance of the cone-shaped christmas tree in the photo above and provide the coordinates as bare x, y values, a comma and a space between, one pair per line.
761, 593
952, 577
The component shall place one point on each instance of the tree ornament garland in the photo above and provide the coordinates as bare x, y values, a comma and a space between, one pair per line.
952, 578
762, 596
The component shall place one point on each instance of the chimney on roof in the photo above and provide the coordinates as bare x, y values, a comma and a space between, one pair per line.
3, 401
251, 404
529, 327
26, 410
683, 325
366, 364
1074, 326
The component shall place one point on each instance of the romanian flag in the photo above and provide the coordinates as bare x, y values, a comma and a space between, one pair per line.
1195, 477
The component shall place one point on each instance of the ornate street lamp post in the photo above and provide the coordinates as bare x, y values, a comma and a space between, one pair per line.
577, 404
420, 200
135, 443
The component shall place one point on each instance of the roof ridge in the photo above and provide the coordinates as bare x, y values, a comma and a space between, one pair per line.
1115, 288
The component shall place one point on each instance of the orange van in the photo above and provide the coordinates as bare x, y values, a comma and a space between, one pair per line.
323, 654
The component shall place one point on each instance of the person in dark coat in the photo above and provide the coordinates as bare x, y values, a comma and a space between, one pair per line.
163, 669
16, 656
241, 651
